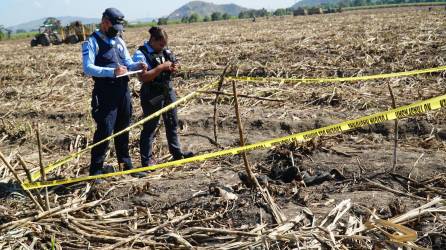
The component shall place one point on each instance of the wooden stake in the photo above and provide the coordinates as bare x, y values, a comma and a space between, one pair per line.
30, 179
395, 139
217, 95
277, 214
16, 176
42, 167
28, 173
251, 176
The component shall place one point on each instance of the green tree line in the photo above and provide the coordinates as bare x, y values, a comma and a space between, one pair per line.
217, 16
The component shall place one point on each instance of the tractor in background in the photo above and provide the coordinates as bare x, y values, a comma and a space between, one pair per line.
52, 32
77, 32
48, 33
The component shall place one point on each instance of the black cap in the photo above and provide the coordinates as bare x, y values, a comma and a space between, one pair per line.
116, 18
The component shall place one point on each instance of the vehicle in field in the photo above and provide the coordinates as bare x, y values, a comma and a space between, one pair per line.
52, 32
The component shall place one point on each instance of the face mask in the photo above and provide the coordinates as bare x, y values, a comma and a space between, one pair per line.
111, 32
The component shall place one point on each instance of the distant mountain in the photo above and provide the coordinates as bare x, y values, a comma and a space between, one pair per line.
143, 20
205, 9
65, 20
313, 3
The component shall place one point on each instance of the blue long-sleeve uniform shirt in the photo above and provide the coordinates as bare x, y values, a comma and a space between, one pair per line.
90, 49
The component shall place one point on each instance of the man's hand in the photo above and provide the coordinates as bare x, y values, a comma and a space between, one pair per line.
166, 66
143, 66
120, 70
175, 67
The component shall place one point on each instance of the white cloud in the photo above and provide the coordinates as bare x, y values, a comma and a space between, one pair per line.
67, 2
37, 4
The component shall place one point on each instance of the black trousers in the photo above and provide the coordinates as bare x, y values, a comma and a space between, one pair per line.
170, 119
112, 110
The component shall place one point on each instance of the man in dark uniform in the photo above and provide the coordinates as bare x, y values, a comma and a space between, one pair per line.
157, 92
105, 58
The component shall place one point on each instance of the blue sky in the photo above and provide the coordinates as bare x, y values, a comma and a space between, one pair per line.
13, 12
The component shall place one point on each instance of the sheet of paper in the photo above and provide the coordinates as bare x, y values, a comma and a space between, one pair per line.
130, 73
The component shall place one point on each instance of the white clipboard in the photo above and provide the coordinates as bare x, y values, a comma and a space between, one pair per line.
130, 73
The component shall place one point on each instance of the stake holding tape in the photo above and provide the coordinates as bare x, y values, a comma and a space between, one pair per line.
402, 112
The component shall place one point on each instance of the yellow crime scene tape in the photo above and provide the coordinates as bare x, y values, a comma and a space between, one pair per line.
171, 106
402, 112
340, 79
192, 95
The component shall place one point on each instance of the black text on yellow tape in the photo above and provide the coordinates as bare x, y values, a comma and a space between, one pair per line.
340, 79
402, 112
171, 106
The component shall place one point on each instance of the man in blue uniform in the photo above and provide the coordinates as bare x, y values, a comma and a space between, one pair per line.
156, 92
105, 57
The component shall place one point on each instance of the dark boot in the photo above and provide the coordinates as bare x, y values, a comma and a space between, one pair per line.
183, 155
135, 175
94, 172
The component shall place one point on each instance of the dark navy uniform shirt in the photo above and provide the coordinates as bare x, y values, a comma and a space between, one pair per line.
90, 49
139, 56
